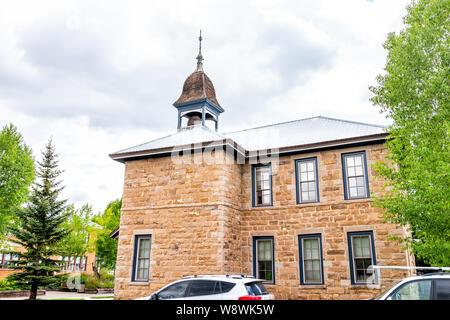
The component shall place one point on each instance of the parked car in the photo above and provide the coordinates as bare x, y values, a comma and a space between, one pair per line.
426, 287
213, 287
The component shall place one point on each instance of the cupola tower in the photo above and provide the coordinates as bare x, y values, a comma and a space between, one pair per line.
198, 103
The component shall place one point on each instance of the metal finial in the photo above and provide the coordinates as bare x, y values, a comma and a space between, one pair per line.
199, 56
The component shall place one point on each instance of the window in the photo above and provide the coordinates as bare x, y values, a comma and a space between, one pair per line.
204, 287
414, 290
256, 289
442, 289
262, 185
311, 260
227, 286
307, 182
263, 264
362, 255
141, 263
176, 290
355, 175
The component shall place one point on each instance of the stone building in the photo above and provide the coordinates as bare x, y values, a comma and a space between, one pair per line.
289, 203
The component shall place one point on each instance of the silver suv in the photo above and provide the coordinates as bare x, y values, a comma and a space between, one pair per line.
427, 287
213, 287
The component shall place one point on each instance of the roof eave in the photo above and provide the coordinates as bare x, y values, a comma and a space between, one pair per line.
331, 144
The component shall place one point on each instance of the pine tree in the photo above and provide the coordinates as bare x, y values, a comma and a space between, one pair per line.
40, 227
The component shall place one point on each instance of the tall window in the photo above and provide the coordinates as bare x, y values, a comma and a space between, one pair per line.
262, 185
311, 260
355, 175
362, 255
141, 258
263, 262
307, 186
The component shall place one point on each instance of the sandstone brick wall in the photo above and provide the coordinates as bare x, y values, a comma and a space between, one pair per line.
201, 219
189, 211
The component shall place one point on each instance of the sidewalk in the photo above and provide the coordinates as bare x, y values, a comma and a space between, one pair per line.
59, 295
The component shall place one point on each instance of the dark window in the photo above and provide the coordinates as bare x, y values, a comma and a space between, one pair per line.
414, 290
141, 262
256, 289
177, 290
203, 288
362, 255
442, 289
307, 186
355, 175
262, 185
227, 286
311, 261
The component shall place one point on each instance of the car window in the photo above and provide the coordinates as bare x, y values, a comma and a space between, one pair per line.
414, 290
443, 289
256, 288
227, 286
203, 288
177, 290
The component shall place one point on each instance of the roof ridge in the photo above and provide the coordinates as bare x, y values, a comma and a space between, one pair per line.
309, 118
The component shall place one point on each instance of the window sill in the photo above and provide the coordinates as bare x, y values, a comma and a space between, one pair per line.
140, 283
364, 286
312, 286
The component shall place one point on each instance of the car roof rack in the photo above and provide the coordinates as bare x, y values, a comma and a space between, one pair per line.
234, 276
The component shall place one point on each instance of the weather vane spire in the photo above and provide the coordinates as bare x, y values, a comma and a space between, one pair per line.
199, 56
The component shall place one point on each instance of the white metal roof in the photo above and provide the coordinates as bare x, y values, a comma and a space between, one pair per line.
285, 134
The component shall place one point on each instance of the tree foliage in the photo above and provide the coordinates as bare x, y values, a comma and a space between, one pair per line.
81, 238
16, 173
414, 92
106, 247
39, 227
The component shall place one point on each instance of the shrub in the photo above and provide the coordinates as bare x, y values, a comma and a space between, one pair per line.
93, 282
6, 284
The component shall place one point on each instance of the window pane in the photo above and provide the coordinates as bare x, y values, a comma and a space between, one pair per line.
443, 289
353, 192
176, 290
311, 175
352, 182
351, 171
201, 288
350, 161
360, 181
361, 191
359, 171
303, 167
358, 161
416, 290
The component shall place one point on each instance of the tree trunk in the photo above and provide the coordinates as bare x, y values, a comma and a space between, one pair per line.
33, 291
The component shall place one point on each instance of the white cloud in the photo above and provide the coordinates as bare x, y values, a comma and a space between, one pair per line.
101, 76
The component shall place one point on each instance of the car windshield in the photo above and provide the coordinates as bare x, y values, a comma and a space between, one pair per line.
256, 289
378, 297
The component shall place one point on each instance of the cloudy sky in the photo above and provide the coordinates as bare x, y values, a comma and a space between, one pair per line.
101, 76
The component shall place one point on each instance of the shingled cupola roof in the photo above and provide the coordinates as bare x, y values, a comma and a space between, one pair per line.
198, 86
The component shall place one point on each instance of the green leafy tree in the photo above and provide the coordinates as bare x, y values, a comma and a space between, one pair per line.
39, 227
106, 247
81, 239
414, 92
16, 173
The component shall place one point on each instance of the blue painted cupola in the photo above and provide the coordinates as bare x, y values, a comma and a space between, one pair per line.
197, 103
